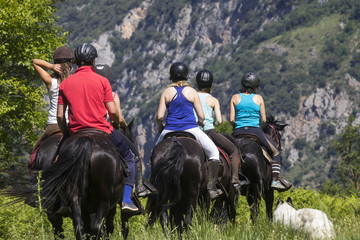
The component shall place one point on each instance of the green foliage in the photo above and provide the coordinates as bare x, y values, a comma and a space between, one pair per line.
26, 32
23, 222
348, 147
224, 127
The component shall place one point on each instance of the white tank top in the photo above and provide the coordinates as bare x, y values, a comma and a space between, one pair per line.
53, 98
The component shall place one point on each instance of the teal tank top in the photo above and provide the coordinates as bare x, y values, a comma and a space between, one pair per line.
208, 111
247, 112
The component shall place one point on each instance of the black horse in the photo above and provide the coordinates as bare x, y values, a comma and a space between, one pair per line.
179, 173
85, 182
257, 168
224, 207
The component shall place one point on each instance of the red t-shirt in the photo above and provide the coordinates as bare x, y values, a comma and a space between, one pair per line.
85, 93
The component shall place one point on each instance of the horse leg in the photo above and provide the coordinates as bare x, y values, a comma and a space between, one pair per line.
269, 201
109, 222
77, 219
56, 221
253, 198
231, 204
125, 224
164, 221
102, 212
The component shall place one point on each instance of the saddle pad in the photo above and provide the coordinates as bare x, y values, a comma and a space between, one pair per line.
266, 154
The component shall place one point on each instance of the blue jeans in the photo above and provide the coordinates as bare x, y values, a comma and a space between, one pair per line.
120, 142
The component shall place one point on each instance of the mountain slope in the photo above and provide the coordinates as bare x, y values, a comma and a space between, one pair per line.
306, 53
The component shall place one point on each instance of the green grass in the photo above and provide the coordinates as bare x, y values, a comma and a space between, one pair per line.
23, 222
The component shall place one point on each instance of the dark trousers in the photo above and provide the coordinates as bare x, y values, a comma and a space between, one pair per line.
222, 142
125, 151
265, 141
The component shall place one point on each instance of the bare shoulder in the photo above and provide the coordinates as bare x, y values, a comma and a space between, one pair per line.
189, 90
235, 97
212, 101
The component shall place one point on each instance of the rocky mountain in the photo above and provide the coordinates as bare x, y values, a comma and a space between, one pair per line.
306, 53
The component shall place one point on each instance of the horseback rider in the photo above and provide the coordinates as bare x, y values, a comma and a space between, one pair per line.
88, 97
140, 190
246, 108
63, 62
210, 105
179, 99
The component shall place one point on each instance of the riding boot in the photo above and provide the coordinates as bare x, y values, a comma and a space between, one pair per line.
140, 189
278, 183
235, 172
213, 171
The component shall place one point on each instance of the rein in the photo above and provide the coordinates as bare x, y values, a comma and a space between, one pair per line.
276, 137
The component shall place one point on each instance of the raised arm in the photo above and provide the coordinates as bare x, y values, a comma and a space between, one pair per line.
41, 65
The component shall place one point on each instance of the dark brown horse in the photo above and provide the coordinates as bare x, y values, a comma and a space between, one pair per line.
257, 168
224, 207
85, 183
179, 173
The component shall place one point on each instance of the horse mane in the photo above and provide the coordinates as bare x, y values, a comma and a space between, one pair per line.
270, 120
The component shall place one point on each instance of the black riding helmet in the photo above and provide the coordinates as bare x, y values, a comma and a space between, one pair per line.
178, 72
250, 80
103, 70
85, 54
63, 54
204, 79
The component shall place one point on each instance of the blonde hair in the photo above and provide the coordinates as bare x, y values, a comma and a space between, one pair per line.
179, 84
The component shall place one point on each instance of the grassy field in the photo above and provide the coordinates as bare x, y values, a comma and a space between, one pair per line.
23, 222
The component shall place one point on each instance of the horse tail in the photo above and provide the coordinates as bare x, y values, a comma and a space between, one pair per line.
166, 177
68, 175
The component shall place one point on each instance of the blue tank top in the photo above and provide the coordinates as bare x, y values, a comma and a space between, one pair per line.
208, 111
180, 114
247, 112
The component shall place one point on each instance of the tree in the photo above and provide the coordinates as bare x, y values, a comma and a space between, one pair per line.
348, 148
27, 31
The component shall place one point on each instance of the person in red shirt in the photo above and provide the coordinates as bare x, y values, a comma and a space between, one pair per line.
88, 97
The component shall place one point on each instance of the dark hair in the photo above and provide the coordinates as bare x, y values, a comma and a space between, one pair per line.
206, 90
248, 90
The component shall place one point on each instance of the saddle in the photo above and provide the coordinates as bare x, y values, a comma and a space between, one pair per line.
180, 134
255, 138
31, 164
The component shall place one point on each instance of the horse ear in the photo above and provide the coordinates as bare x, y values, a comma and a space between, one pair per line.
282, 126
279, 201
289, 200
131, 124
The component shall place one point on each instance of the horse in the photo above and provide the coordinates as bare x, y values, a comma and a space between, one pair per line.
87, 177
257, 168
224, 207
179, 173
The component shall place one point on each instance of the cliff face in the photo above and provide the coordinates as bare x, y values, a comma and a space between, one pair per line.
153, 34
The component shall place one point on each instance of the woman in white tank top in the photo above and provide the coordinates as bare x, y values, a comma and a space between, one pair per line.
63, 62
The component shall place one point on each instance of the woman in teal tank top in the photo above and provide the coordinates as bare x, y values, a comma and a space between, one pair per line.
247, 109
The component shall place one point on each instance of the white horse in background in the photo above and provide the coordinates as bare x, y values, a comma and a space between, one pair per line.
313, 221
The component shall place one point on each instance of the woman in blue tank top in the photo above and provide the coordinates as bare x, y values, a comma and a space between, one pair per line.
179, 100
246, 109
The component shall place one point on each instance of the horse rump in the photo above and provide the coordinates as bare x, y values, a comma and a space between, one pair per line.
167, 163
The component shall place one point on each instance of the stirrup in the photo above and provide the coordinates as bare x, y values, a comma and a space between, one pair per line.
213, 194
146, 189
